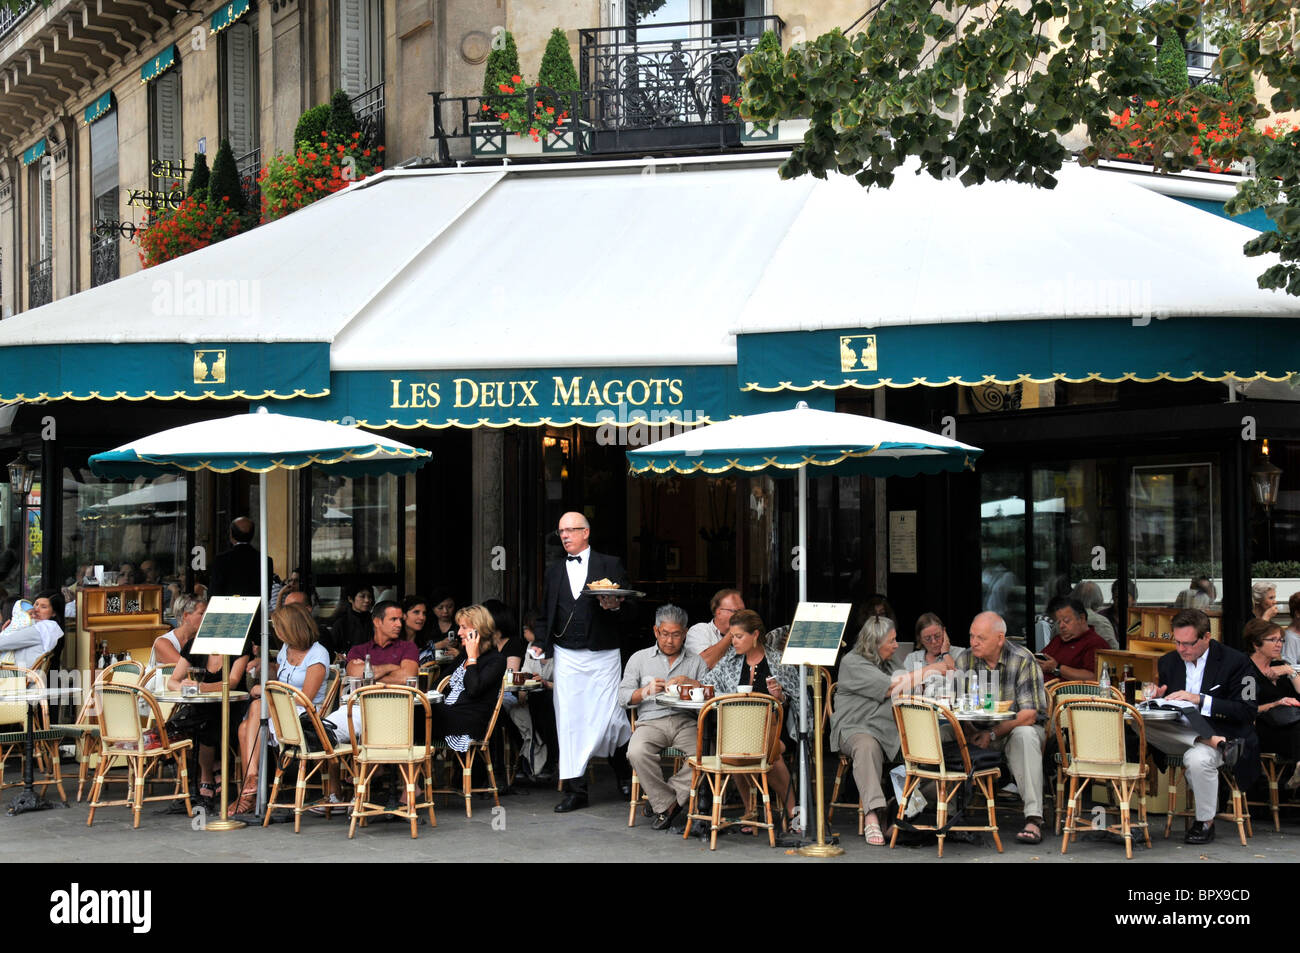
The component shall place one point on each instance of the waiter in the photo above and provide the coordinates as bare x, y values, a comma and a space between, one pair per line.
583, 633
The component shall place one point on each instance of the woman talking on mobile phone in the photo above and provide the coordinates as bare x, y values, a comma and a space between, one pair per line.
471, 695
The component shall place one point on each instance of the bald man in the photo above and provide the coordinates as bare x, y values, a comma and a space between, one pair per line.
1012, 674
584, 634
236, 571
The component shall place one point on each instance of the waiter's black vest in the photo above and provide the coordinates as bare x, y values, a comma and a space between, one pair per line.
574, 634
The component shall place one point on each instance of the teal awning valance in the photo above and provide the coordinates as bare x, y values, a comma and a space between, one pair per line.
163, 371
99, 107
227, 14
160, 64
34, 152
618, 397
1141, 348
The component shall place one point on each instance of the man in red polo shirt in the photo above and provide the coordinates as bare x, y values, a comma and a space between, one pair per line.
391, 659
1073, 653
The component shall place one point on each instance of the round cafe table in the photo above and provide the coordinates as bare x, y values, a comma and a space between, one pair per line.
673, 700
983, 717
27, 799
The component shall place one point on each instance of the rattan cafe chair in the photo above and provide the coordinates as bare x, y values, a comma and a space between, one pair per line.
388, 738
122, 738
1057, 693
747, 729
283, 702
46, 738
466, 759
1091, 733
841, 769
921, 740
676, 754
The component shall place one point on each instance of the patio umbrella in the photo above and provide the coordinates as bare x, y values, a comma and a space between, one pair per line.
792, 442
259, 443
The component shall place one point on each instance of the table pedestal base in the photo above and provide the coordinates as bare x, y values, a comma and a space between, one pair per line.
28, 801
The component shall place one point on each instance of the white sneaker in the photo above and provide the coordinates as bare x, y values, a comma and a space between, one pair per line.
333, 803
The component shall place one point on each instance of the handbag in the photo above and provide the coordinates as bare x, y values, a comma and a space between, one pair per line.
310, 736
1283, 716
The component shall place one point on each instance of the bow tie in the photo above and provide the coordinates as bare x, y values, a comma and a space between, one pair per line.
573, 559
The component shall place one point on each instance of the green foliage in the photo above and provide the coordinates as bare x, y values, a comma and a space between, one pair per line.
503, 97
311, 124
342, 121
558, 71
985, 91
768, 43
1171, 64
199, 177
224, 183
502, 66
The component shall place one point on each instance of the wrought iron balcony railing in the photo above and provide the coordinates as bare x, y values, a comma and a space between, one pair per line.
668, 79
105, 259
1199, 66
369, 110
10, 18
249, 166
40, 282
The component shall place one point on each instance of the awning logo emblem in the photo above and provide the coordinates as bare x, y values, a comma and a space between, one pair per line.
209, 367
858, 352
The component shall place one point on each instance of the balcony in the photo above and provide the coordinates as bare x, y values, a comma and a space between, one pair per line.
40, 282
369, 110
661, 86
248, 167
1199, 66
105, 259
9, 18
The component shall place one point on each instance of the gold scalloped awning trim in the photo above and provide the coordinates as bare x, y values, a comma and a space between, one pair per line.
155, 395
1022, 379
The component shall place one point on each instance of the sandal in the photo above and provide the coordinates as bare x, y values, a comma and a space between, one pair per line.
1028, 836
874, 835
247, 799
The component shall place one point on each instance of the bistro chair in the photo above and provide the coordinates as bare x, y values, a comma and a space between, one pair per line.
283, 704
388, 738
1091, 732
466, 759
84, 731
677, 754
122, 737
1274, 766
919, 736
45, 739
1239, 814
1058, 693
747, 728
845, 763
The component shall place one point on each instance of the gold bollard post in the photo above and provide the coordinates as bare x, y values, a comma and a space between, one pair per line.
225, 822
821, 848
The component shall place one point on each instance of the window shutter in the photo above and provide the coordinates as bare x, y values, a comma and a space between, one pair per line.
103, 167
352, 46
167, 116
241, 88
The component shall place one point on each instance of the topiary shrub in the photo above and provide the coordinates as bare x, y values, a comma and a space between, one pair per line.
224, 183
342, 121
1171, 64
311, 124
503, 98
199, 177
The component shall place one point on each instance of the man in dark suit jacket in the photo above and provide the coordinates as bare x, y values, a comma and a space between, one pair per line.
584, 634
1220, 729
237, 572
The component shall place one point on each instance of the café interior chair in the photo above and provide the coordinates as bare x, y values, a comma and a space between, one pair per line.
1057, 693
122, 737
1091, 732
921, 742
845, 763
46, 738
1239, 814
677, 754
388, 740
746, 729
466, 759
309, 757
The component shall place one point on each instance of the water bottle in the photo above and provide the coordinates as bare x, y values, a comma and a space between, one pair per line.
1105, 677
975, 702
368, 674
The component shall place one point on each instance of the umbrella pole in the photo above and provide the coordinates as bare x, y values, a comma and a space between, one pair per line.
266, 658
803, 669
225, 822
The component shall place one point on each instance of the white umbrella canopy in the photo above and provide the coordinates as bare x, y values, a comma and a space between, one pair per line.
259, 443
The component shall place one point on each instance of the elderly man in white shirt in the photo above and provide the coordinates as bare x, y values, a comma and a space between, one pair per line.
709, 640
27, 643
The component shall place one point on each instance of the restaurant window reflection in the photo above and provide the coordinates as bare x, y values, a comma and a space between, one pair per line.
354, 533
1274, 485
1174, 531
133, 526
1002, 546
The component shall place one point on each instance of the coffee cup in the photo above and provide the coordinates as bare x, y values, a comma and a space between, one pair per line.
708, 692
744, 689
684, 692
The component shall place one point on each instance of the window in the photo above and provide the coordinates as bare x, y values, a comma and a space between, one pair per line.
42, 210
360, 46
239, 99
104, 251
165, 142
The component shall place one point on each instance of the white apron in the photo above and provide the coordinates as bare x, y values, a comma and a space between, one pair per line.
588, 719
